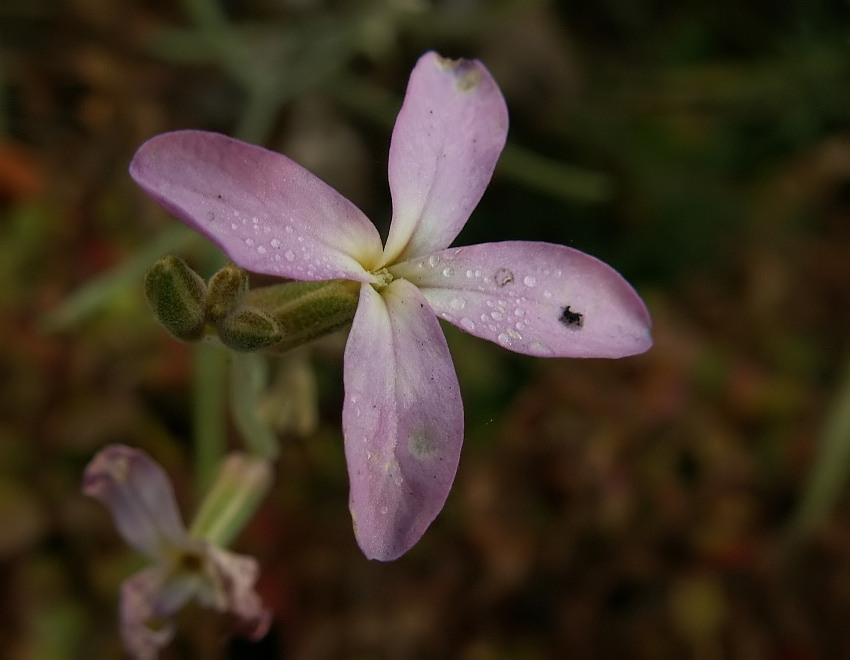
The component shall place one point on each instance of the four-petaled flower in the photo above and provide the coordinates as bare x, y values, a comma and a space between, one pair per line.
402, 415
139, 495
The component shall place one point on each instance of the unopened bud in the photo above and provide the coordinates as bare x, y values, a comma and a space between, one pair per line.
249, 329
306, 311
225, 291
177, 297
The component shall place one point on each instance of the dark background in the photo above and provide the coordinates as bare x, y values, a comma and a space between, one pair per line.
690, 502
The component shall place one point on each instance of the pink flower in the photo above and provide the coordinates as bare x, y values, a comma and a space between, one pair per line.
138, 494
403, 416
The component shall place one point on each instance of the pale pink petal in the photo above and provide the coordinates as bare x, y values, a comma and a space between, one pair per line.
447, 139
234, 577
139, 595
535, 298
267, 213
139, 495
402, 419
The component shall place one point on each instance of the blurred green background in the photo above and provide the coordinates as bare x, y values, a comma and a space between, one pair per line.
690, 502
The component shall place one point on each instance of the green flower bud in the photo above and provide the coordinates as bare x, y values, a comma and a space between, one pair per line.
249, 329
226, 290
177, 297
307, 310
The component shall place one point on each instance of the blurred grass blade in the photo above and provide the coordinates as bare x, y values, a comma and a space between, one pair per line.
553, 177
829, 474
99, 292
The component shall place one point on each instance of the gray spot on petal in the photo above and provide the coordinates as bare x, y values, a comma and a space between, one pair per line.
503, 276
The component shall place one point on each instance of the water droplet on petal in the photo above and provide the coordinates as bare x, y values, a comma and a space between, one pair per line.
261, 249
275, 243
529, 281
496, 316
504, 340
433, 260
457, 304
448, 272
467, 325
288, 229
249, 242
290, 255
540, 348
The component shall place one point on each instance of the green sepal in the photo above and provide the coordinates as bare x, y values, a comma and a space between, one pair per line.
177, 297
249, 329
225, 292
305, 311
239, 488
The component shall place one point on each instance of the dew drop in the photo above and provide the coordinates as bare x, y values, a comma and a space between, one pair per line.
520, 325
504, 339
469, 273
261, 250
496, 316
290, 255
540, 348
457, 304
234, 226
519, 311
288, 229
448, 272
275, 243
467, 325
529, 281
433, 260
249, 242
547, 294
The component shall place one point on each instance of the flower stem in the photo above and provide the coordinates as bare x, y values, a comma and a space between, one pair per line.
248, 377
209, 418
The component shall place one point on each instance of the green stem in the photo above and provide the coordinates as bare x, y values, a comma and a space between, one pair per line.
209, 418
249, 374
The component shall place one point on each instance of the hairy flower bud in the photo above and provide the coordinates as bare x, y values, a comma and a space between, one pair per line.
177, 297
249, 329
226, 290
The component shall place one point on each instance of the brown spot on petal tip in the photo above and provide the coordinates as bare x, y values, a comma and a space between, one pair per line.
466, 72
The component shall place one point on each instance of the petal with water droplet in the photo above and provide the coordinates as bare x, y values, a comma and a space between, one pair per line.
208, 180
402, 419
571, 304
447, 139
